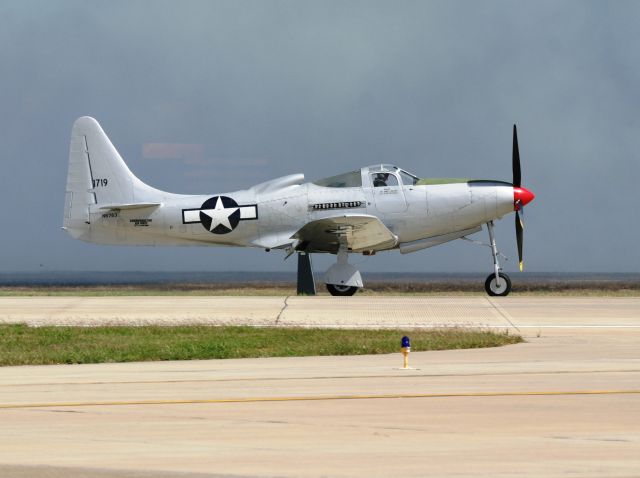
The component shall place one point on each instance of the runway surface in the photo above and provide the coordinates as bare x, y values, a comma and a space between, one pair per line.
326, 311
566, 403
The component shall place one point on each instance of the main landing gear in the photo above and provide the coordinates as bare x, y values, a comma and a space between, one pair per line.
335, 289
498, 283
342, 278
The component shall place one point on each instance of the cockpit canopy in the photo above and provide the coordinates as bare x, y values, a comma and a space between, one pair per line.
385, 168
352, 179
378, 175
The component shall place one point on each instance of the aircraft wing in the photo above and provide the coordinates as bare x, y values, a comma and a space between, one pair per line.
359, 232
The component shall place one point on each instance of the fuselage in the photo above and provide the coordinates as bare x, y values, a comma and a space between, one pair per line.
269, 214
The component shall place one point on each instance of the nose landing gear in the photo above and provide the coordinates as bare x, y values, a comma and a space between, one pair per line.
498, 287
498, 283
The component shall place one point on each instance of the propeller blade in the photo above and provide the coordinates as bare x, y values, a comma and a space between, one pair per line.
519, 236
516, 159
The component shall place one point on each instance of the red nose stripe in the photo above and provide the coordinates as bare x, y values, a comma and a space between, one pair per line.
521, 197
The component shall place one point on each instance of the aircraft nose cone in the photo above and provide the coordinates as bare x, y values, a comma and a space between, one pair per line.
521, 197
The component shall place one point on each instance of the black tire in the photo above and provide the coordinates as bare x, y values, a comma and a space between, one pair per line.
336, 289
492, 290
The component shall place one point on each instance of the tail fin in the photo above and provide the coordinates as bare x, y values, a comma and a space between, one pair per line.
97, 175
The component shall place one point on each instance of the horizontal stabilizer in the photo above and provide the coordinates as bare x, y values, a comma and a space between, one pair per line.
135, 205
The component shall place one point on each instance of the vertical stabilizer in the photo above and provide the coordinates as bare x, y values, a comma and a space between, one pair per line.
97, 175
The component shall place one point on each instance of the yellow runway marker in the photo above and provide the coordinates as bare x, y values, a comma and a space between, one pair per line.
319, 377
319, 398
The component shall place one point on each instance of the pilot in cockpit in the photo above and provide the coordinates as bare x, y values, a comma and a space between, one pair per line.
380, 180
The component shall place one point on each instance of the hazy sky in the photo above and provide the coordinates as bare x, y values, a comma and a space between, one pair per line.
266, 88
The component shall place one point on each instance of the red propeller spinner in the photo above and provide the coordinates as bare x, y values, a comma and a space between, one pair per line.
521, 197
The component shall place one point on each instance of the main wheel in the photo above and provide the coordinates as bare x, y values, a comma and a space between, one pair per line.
493, 289
336, 289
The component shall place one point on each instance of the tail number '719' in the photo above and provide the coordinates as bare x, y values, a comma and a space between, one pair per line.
100, 182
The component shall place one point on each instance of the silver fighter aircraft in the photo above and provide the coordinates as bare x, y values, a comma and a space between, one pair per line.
376, 208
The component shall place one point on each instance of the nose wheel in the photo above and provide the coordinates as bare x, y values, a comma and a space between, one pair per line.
495, 287
498, 283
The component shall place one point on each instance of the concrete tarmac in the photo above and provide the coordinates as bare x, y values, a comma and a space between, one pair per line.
565, 403
326, 311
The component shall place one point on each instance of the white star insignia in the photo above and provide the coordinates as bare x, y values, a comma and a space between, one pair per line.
219, 215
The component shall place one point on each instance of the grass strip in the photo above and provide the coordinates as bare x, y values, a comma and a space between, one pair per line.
624, 288
24, 345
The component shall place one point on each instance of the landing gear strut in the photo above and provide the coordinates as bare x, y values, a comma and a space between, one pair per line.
342, 278
498, 283
306, 282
